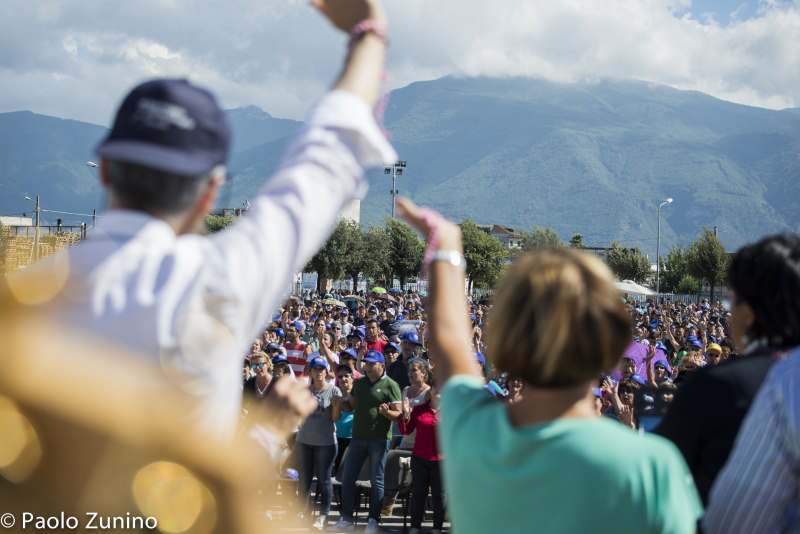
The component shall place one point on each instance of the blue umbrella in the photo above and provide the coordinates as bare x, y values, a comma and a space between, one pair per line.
395, 290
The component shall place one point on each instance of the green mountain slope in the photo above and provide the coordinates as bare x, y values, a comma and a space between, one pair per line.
594, 159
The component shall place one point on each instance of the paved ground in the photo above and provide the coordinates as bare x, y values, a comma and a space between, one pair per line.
284, 519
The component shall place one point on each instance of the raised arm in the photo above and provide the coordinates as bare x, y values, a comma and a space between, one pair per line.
322, 171
363, 71
449, 341
651, 378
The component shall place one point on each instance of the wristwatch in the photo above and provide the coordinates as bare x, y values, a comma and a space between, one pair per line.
453, 257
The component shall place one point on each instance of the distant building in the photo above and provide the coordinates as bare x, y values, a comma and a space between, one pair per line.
6, 220
352, 211
508, 236
223, 212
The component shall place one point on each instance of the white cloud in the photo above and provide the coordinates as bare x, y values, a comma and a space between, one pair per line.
77, 60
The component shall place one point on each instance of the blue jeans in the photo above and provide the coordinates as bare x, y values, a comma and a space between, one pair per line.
317, 461
359, 450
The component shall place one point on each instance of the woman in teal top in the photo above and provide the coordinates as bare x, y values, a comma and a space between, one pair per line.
548, 463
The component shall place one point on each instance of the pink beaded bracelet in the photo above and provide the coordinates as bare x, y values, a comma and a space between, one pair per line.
367, 26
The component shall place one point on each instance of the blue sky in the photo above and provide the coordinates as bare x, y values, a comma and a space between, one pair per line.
722, 11
76, 59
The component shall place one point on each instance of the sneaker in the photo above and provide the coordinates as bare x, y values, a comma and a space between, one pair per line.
319, 523
372, 526
342, 526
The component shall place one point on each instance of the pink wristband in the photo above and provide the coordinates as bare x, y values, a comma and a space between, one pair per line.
431, 218
367, 26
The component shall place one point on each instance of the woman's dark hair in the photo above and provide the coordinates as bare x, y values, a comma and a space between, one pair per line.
629, 384
766, 275
667, 386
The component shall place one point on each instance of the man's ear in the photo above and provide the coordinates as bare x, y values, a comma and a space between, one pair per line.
209, 196
103, 173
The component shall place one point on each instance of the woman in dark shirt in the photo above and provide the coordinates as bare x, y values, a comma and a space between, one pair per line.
710, 405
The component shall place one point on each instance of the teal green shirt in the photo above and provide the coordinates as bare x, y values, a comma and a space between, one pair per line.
563, 476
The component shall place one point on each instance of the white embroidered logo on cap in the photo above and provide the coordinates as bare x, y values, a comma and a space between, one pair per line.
161, 115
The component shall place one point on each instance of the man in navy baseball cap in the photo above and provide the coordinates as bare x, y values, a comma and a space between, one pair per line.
147, 281
169, 125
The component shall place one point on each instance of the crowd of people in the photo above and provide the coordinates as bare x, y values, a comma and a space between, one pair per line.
555, 406
688, 372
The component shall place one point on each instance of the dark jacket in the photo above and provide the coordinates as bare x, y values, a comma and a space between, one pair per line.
708, 410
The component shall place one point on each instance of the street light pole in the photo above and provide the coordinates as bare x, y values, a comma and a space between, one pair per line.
658, 250
396, 170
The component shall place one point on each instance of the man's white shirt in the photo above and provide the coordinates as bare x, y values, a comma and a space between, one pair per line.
196, 302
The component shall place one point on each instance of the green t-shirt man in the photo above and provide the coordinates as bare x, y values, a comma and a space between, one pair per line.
368, 396
562, 476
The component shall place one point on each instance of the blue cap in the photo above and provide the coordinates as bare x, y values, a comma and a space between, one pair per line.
298, 325
272, 346
355, 332
597, 392
637, 378
374, 356
279, 332
662, 363
391, 345
350, 353
319, 361
169, 125
480, 357
411, 337
279, 359
472, 317
691, 338
697, 344
661, 346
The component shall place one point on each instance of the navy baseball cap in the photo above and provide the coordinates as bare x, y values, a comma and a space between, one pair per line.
411, 337
279, 359
169, 125
318, 362
374, 356
350, 353
355, 332
279, 332
391, 345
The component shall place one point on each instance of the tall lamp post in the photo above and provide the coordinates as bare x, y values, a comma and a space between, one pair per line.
395, 170
36, 235
658, 250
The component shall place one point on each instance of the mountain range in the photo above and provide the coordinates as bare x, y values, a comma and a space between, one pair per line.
588, 158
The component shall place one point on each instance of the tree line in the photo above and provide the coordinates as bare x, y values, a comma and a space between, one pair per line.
394, 251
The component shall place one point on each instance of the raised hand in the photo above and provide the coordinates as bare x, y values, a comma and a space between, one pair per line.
448, 233
344, 14
626, 416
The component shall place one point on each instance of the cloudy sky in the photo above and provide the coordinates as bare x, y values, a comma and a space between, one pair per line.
76, 58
